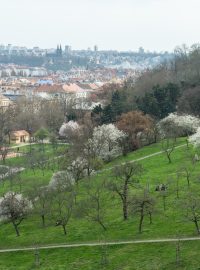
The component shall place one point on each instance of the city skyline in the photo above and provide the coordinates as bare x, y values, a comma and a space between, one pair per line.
153, 24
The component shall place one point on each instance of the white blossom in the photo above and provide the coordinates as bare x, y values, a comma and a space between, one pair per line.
180, 125
68, 128
13, 202
195, 138
61, 180
105, 141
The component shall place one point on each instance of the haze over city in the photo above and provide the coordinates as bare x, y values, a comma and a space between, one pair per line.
122, 25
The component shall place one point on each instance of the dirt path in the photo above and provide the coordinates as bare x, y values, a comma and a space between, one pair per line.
142, 158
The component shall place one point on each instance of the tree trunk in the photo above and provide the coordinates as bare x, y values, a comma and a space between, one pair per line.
102, 225
150, 218
141, 221
16, 228
64, 229
124, 200
125, 209
4, 159
43, 221
169, 158
188, 179
196, 225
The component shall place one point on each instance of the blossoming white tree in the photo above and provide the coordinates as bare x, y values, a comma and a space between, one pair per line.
69, 129
195, 138
178, 125
105, 142
61, 181
14, 208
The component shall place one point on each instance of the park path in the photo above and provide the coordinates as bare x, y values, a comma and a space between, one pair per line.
142, 158
103, 243
155, 154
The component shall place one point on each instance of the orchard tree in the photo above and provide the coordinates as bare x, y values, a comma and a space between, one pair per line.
14, 209
143, 205
125, 175
178, 125
70, 131
41, 135
105, 142
195, 138
94, 206
41, 199
4, 149
168, 146
63, 193
192, 209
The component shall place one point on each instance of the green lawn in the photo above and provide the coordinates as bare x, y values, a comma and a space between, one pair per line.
169, 223
124, 257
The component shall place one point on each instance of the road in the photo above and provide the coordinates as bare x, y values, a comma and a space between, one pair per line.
96, 244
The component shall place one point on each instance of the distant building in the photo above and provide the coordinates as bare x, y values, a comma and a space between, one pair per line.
57, 53
4, 101
67, 49
19, 136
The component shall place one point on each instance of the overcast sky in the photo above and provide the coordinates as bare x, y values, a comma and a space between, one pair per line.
111, 24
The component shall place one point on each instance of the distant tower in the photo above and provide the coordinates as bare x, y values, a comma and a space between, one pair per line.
96, 48
67, 49
59, 50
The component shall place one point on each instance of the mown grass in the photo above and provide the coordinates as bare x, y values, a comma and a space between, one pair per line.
157, 256
169, 223
47, 150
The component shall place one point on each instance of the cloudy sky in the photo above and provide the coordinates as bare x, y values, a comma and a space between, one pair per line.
111, 24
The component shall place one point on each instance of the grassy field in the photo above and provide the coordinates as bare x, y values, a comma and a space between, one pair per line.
169, 223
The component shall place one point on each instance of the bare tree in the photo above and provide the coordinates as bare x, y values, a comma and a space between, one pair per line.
41, 199
126, 175
168, 146
143, 205
4, 149
94, 207
191, 206
63, 194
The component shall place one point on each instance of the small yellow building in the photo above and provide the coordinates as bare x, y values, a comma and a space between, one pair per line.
4, 101
20, 136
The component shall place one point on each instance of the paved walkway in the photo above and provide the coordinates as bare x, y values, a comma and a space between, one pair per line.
96, 244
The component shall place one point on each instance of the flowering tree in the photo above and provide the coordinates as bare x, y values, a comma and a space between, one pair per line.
14, 208
178, 125
61, 181
105, 142
195, 138
69, 129
78, 168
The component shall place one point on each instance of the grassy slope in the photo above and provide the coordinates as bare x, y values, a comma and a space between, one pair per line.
165, 224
